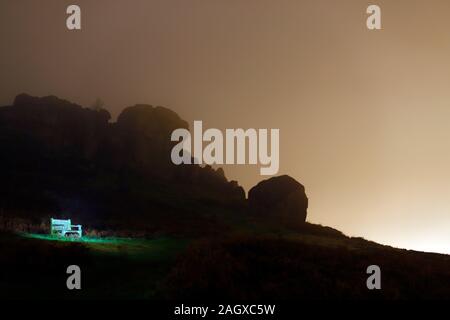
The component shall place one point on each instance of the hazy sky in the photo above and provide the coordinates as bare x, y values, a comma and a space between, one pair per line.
363, 115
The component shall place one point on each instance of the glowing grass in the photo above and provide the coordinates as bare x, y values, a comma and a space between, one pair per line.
49, 237
159, 248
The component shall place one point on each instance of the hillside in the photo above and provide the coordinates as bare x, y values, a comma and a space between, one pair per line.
312, 262
153, 230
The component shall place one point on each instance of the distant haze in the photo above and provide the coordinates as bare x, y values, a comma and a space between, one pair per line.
363, 115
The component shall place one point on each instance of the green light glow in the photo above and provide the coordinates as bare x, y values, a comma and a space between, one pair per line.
66, 239
133, 248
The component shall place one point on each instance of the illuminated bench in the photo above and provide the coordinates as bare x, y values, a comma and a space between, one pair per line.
64, 228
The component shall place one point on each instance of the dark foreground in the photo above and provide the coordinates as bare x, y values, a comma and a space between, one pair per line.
311, 263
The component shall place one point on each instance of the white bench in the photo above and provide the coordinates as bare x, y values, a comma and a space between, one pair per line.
64, 228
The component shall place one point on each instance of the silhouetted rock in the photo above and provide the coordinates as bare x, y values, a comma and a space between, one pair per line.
62, 156
56, 123
151, 121
281, 196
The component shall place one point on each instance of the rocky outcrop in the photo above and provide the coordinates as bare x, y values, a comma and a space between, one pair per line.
79, 150
55, 123
281, 196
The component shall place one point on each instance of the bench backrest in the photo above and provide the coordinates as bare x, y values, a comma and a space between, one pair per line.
60, 225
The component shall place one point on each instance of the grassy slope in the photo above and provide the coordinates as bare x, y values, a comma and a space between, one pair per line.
253, 260
35, 265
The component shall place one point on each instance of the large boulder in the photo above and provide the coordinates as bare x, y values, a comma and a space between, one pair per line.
150, 121
141, 139
282, 197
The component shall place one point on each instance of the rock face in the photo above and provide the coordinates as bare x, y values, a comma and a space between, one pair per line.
281, 196
54, 151
141, 139
56, 123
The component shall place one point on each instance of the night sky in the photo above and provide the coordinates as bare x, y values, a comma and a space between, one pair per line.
363, 115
